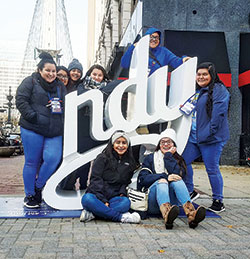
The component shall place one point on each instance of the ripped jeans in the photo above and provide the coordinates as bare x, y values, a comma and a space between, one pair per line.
174, 192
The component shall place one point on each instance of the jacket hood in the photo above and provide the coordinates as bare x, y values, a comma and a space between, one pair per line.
152, 30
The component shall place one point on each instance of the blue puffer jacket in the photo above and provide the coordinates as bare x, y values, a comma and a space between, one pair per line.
214, 129
162, 54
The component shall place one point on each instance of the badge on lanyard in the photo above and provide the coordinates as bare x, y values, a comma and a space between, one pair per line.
55, 103
189, 105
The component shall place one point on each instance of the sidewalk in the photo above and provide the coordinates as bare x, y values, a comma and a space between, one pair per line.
226, 237
11, 180
236, 179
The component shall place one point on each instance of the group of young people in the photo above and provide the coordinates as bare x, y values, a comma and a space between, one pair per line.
167, 174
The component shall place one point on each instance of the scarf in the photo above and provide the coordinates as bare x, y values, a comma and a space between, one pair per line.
48, 87
90, 83
159, 162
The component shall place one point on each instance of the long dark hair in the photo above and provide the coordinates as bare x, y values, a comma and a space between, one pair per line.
214, 79
99, 67
113, 156
180, 160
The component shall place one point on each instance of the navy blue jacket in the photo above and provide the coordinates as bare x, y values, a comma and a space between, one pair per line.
108, 181
214, 129
31, 101
146, 179
162, 54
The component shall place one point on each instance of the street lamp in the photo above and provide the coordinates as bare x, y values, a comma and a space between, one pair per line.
9, 106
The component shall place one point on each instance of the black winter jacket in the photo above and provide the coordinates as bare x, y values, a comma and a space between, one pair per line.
31, 101
107, 182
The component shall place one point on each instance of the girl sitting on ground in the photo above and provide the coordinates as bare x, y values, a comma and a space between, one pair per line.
106, 195
163, 177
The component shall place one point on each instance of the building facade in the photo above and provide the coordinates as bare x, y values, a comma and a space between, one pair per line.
109, 19
11, 56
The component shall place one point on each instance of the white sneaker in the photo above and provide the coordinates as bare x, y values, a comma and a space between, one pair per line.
131, 218
86, 216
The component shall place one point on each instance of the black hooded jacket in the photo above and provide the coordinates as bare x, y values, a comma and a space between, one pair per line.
110, 178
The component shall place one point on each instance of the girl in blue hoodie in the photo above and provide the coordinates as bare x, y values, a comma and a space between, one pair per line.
209, 132
158, 56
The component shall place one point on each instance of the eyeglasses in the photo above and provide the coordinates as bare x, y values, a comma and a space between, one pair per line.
167, 142
154, 37
62, 76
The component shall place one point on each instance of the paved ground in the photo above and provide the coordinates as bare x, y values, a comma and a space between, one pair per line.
236, 179
228, 237
11, 182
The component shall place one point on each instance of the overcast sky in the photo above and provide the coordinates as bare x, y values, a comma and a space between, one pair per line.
16, 17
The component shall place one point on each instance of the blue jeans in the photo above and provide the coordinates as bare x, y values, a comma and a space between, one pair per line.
42, 156
173, 192
117, 206
211, 156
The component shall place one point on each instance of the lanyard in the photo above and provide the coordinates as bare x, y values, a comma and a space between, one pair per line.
58, 93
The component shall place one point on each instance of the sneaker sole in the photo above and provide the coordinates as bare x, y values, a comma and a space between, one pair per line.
133, 220
216, 211
31, 207
196, 197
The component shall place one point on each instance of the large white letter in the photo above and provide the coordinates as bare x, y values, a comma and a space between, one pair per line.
147, 104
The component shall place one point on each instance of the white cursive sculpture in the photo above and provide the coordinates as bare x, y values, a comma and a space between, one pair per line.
147, 99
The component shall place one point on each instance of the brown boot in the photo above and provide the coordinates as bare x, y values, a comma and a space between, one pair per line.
194, 216
169, 214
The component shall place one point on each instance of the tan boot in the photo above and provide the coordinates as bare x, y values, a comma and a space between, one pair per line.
169, 214
194, 216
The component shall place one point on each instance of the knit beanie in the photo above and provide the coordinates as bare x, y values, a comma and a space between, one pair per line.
168, 133
75, 64
119, 134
